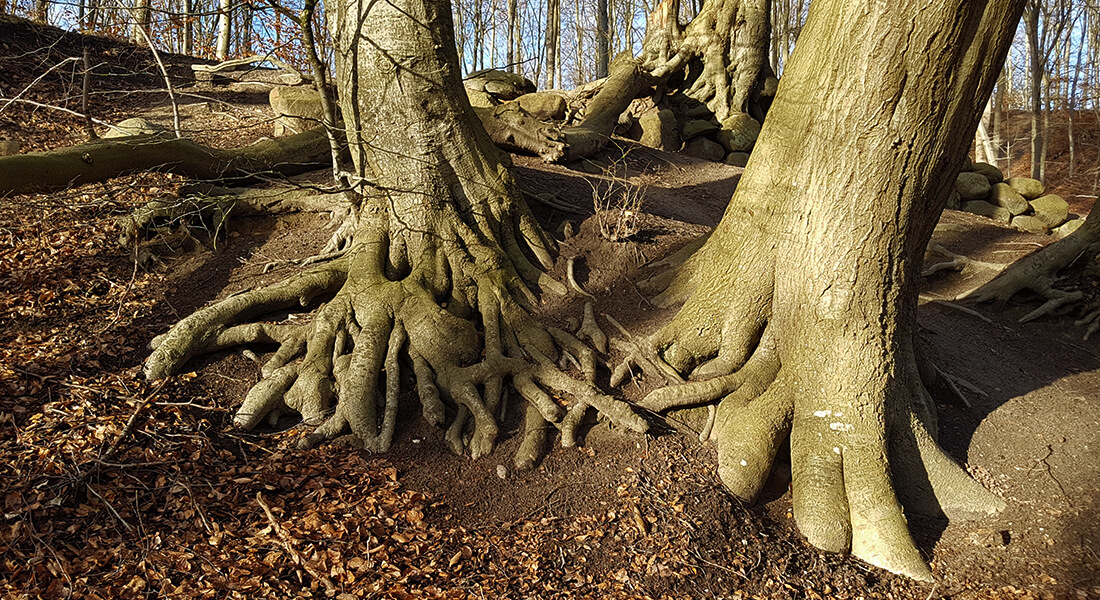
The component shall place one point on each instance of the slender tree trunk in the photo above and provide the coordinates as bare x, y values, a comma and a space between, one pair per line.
603, 38
225, 18
1035, 87
42, 11
189, 27
800, 313
139, 26
513, 35
553, 34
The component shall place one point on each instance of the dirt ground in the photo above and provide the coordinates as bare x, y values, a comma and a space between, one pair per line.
179, 508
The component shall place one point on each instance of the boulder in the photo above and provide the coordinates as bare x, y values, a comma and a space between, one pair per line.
134, 126
1006, 196
545, 106
697, 127
737, 159
954, 200
705, 148
659, 130
985, 209
992, 173
739, 132
297, 109
501, 85
1051, 209
479, 99
10, 147
1067, 228
972, 186
1029, 188
1029, 224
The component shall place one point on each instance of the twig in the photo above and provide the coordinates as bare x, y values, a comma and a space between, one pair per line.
18, 97
87, 88
111, 508
113, 448
288, 545
164, 71
61, 109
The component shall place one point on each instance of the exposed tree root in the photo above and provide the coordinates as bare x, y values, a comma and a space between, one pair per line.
342, 370
1038, 272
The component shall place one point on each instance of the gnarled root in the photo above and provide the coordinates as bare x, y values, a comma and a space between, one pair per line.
341, 371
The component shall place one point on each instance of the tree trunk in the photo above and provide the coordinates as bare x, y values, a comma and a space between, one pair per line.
731, 39
603, 39
553, 36
189, 27
513, 36
801, 306
225, 17
436, 245
1035, 86
139, 28
101, 160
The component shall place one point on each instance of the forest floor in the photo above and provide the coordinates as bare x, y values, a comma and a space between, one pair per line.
176, 504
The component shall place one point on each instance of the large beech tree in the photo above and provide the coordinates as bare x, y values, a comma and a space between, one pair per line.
800, 307
438, 272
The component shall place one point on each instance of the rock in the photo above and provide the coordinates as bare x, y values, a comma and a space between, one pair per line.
972, 186
968, 165
545, 106
705, 148
954, 200
659, 130
135, 126
1030, 224
698, 127
479, 99
992, 173
10, 147
985, 209
298, 108
1051, 209
739, 132
1067, 228
737, 159
1029, 188
1006, 196
501, 85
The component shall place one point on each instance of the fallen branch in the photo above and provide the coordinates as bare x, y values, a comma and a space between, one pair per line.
288, 545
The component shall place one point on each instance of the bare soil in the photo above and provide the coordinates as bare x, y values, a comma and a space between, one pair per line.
178, 510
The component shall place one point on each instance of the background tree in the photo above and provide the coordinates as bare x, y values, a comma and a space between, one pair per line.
820, 347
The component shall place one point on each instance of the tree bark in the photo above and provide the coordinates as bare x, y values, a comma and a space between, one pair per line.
436, 246
139, 28
1035, 86
800, 313
603, 39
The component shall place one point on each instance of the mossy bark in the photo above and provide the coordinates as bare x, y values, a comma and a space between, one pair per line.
442, 265
800, 313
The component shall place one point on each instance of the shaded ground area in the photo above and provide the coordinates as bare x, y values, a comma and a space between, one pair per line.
176, 507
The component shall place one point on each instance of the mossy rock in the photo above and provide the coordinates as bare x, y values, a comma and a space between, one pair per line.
992, 173
134, 126
1006, 196
1052, 209
954, 200
705, 148
545, 106
698, 127
737, 159
1030, 224
985, 209
297, 107
739, 132
972, 186
1029, 188
659, 130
